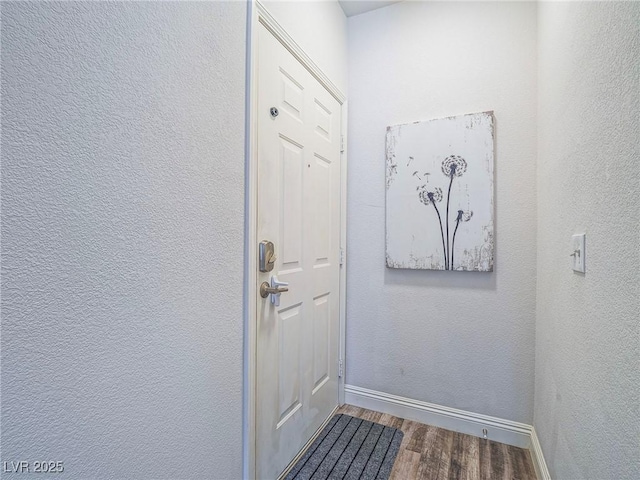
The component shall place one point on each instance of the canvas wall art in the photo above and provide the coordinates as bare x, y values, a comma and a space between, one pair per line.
439, 201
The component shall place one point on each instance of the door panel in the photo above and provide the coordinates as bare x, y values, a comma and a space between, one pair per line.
289, 362
321, 340
292, 202
322, 210
299, 211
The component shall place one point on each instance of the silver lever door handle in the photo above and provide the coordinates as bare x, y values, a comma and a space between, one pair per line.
266, 290
275, 289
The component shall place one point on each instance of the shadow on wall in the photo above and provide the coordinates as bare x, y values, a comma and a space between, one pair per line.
441, 279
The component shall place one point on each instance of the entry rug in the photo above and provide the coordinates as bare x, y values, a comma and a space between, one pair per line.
349, 448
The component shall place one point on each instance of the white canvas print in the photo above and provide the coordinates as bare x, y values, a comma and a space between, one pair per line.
440, 194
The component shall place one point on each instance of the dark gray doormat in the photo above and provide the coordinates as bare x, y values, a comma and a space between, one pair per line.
349, 448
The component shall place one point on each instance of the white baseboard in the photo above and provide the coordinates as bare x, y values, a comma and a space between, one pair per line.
500, 430
538, 459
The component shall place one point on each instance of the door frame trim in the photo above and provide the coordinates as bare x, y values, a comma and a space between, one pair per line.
258, 14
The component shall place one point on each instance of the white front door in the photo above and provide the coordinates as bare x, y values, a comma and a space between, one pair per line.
299, 211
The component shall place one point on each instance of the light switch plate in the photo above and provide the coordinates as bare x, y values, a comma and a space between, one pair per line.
578, 255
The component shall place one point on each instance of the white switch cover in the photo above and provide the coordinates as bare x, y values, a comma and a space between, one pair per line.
578, 255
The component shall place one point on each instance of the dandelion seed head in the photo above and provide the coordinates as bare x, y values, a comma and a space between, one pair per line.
454, 165
464, 215
428, 196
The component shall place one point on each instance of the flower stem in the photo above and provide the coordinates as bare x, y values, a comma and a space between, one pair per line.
453, 241
446, 262
449, 196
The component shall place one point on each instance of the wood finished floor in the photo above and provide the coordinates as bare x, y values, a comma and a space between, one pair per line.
433, 453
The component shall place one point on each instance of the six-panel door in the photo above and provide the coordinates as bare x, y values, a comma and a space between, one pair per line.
299, 211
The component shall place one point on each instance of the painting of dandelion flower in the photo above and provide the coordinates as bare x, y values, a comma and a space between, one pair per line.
440, 194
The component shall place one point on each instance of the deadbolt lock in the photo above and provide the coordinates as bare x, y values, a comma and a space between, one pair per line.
266, 256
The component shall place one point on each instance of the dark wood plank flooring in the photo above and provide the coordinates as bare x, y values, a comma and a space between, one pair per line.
434, 453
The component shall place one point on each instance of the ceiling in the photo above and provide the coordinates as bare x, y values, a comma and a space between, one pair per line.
356, 7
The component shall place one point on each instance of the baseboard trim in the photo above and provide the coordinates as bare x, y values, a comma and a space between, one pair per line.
498, 429
538, 458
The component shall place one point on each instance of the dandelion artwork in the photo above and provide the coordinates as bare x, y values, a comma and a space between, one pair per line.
440, 194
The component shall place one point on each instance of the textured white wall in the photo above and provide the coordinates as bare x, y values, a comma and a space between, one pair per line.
320, 28
587, 395
463, 340
122, 237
